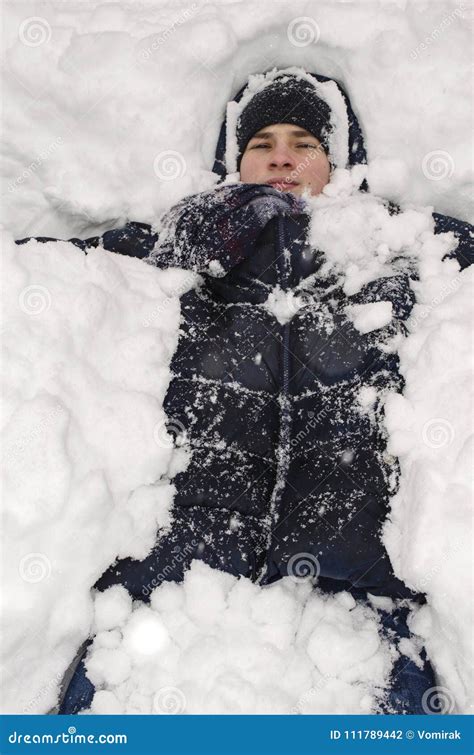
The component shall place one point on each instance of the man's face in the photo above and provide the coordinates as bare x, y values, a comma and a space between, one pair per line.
286, 157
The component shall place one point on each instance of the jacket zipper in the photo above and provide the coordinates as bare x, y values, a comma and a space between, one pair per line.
283, 450
284, 396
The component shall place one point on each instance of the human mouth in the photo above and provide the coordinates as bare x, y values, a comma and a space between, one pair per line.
282, 184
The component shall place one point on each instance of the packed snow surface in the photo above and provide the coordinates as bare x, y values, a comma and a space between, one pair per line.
429, 533
86, 365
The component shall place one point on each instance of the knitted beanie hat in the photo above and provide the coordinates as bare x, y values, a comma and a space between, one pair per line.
287, 99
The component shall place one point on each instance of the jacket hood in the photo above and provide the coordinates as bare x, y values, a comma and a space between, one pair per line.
346, 143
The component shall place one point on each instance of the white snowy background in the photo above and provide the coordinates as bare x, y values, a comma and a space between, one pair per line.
111, 113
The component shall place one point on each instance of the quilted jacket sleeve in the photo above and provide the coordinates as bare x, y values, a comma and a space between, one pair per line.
134, 240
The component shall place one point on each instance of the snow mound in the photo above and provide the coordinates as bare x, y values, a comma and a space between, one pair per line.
219, 644
368, 317
84, 444
283, 305
361, 239
127, 99
429, 532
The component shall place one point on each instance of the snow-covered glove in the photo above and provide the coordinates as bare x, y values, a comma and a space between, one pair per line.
221, 226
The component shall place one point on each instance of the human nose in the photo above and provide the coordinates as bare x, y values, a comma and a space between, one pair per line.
281, 157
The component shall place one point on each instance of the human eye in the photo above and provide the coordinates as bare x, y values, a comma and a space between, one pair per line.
307, 145
260, 145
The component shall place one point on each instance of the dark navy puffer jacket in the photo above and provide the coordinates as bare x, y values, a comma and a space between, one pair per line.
286, 470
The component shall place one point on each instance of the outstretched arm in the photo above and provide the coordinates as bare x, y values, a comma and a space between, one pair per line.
216, 226
134, 240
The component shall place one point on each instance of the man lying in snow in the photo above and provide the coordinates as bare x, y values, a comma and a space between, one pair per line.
286, 471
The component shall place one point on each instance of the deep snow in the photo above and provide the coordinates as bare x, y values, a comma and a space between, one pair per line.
218, 644
85, 371
113, 111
